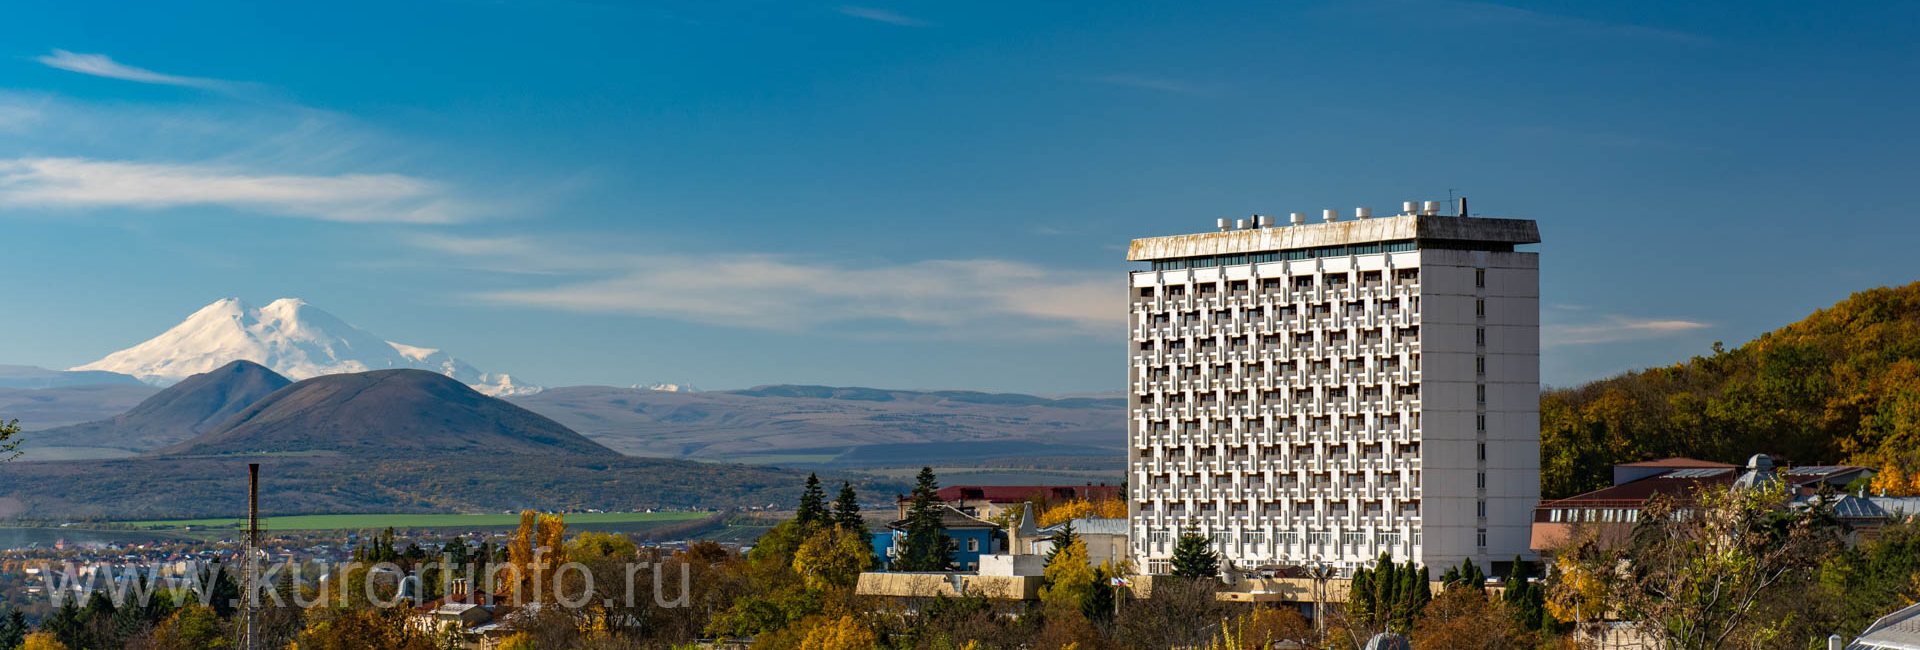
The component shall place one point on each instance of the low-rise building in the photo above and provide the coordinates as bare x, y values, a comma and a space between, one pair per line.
972, 538
1612, 511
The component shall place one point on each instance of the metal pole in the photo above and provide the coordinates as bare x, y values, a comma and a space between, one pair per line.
253, 542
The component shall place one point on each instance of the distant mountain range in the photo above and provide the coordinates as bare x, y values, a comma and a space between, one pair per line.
292, 338
31, 377
840, 426
378, 441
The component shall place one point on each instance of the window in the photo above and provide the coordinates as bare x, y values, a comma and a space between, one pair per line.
1480, 336
1480, 278
1480, 308
1480, 538
973, 545
1480, 366
1480, 508
1480, 393
1483, 451
1480, 480
1480, 424
1146, 292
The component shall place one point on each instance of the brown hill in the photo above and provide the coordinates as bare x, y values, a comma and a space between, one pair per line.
194, 406
386, 414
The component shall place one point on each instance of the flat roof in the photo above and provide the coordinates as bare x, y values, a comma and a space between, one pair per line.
1338, 233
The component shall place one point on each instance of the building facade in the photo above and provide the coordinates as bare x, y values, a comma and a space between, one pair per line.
1320, 394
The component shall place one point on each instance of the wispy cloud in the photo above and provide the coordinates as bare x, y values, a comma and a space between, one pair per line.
1145, 82
1613, 328
74, 183
973, 297
882, 16
1500, 15
101, 65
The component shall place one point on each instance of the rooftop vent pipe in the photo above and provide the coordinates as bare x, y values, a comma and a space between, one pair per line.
1297, 218
1330, 215
1430, 208
1222, 223
1362, 213
1265, 221
1408, 207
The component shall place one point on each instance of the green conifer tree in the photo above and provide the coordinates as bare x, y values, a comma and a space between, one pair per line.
1194, 557
925, 545
813, 504
846, 511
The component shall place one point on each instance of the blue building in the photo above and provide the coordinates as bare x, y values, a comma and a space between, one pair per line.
972, 538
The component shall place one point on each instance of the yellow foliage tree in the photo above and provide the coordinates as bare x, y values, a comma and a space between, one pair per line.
1891, 482
832, 559
535, 553
42, 641
1069, 582
1577, 595
844, 633
1065, 511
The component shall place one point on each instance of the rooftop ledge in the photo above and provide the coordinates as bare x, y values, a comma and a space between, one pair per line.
1338, 233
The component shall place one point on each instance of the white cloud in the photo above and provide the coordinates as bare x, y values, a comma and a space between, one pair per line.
85, 183
1613, 328
101, 65
975, 297
881, 15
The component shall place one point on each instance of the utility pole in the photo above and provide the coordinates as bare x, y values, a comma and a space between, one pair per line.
247, 573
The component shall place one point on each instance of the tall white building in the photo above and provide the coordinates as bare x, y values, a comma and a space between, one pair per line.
1319, 394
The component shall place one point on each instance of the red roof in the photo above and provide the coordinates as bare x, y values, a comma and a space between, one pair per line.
1020, 493
1676, 463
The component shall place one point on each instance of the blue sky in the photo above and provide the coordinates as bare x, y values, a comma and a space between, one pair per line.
919, 194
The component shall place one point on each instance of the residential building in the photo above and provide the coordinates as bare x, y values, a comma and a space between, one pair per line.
1320, 394
972, 538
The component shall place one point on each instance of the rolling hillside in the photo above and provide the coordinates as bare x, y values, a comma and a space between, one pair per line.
820, 425
181, 411
1841, 385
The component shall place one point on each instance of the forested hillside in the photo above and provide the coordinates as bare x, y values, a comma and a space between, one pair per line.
1842, 385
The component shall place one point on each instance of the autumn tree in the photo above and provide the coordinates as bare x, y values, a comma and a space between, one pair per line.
1695, 574
831, 559
534, 555
360, 629
1466, 619
192, 627
841, 633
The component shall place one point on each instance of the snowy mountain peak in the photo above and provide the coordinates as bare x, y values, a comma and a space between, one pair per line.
290, 336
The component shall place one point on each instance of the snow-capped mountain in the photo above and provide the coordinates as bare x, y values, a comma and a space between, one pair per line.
667, 388
291, 337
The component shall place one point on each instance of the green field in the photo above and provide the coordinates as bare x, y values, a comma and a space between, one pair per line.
378, 521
